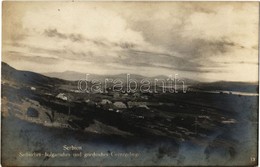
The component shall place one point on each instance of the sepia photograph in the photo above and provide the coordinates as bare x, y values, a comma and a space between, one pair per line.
126, 83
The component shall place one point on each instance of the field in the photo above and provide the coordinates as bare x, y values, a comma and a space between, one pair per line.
42, 114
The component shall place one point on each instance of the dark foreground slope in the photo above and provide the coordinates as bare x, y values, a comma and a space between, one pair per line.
42, 114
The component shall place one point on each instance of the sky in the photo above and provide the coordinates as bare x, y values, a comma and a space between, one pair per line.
205, 41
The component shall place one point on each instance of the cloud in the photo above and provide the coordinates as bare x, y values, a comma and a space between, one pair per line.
19, 56
202, 48
190, 23
188, 38
91, 22
54, 33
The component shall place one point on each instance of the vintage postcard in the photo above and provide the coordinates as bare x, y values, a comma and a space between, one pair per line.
129, 84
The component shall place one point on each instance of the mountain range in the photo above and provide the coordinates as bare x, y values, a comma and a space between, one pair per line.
67, 77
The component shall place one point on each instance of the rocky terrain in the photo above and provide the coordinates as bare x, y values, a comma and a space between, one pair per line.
162, 125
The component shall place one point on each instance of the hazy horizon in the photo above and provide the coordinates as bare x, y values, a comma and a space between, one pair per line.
91, 75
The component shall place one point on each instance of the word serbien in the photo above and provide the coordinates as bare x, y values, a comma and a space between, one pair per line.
71, 147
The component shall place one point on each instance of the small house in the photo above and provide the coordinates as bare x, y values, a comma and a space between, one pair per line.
105, 101
120, 105
144, 106
62, 96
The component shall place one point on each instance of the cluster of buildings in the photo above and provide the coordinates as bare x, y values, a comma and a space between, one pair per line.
118, 106
119, 101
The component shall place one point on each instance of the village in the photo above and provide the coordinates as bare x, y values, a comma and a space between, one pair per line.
90, 112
